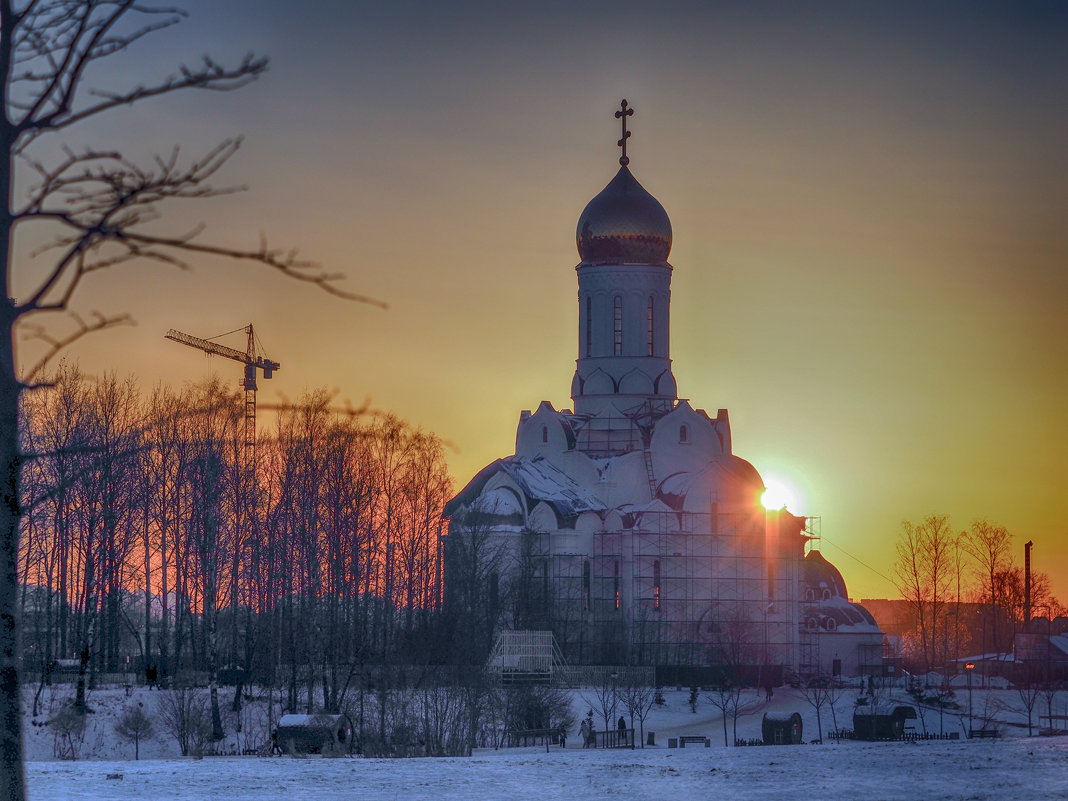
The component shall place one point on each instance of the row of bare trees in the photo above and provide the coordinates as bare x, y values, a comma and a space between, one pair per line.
150, 532
949, 579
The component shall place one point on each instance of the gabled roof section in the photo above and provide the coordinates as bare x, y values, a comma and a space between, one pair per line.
539, 479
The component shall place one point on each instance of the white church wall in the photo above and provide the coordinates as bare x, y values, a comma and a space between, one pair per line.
629, 482
683, 441
543, 519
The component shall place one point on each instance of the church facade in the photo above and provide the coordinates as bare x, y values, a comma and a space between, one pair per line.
627, 525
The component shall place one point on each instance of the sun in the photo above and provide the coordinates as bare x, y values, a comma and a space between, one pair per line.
778, 494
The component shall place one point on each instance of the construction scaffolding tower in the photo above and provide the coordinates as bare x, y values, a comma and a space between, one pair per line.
677, 588
526, 657
809, 619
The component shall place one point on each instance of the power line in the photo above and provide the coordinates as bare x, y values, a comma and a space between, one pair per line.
858, 561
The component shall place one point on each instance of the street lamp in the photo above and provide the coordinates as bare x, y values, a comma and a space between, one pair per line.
1049, 664
983, 653
945, 683
968, 668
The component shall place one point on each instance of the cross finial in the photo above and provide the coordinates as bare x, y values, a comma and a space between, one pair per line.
622, 115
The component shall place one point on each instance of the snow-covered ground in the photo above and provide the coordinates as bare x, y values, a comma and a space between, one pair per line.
1026, 768
1015, 766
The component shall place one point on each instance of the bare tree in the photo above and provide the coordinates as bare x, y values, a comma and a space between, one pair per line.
133, 726
68, 732
1029, 687
185, 717
104, 210
923, 574
818, 692
638, 698
990, 545
605, 696
723, 696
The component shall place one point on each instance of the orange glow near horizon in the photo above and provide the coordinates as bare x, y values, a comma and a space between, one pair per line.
868, 240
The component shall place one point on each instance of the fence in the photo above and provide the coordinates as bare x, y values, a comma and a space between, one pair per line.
519, 738
606, 675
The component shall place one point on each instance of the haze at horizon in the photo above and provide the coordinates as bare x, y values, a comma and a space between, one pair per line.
867, 205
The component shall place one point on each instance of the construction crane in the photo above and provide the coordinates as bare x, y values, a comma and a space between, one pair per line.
252, 362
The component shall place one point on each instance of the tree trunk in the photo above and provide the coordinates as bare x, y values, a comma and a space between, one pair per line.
12, 784
12, 781
213, 670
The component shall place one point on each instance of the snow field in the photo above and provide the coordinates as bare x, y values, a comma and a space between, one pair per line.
1031, 768
1015, 766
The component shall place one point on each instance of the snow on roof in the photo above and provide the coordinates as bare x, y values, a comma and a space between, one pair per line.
543, 481
539, 480
885, 709
1060, 642
847, 615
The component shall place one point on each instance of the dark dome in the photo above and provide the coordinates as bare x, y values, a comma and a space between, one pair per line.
624, 224
818, 573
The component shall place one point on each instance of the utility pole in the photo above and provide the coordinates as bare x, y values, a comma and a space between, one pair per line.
1027, 585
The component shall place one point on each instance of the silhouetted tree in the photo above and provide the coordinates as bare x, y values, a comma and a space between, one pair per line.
990, 545
924, 575
104, 210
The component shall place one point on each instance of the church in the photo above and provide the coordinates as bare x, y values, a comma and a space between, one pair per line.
627, 525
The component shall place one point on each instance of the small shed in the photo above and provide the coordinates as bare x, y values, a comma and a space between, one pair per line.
881, 721
329, 735
782, 730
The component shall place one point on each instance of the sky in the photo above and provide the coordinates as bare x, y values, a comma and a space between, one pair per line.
868, 203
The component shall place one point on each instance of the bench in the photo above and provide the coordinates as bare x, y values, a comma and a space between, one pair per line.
694, 739
983, 734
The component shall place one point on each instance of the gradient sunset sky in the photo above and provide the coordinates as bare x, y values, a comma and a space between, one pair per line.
869, 204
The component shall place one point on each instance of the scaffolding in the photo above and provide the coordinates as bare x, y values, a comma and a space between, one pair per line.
527, 657
678, 588
601, 437
808, 663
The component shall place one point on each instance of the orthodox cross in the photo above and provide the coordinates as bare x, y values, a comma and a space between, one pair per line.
622, 115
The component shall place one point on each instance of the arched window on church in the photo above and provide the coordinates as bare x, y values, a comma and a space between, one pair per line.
656, 584
615, 584
683, 434
830, 624
617, 322
826, 594
586, 584
589, 324
649, 327
809, 594
544, 433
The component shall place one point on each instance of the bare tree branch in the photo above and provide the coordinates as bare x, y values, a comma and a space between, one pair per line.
102, 199
56, 346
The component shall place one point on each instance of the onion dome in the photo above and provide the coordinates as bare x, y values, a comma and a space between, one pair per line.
624, 224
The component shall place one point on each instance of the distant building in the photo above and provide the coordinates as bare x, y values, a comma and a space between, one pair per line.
628, 526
